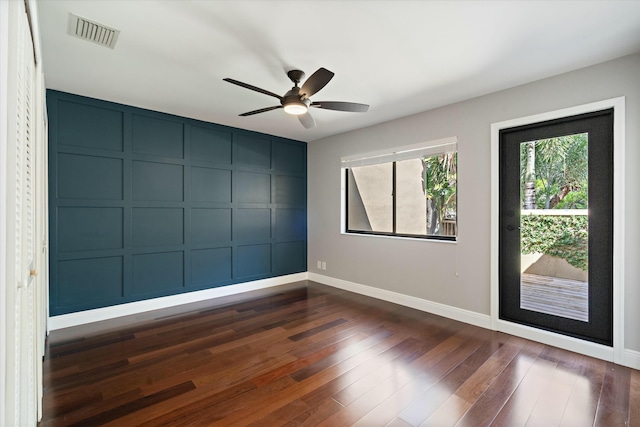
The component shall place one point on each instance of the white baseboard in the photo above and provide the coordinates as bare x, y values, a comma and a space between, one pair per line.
459, 314
105, 313
576, 345
631, 359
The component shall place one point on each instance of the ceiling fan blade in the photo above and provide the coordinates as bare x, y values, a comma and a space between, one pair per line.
352, 107
317, 81
307, 121
248, 86
262, 110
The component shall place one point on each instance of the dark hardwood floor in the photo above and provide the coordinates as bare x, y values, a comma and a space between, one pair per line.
307, 354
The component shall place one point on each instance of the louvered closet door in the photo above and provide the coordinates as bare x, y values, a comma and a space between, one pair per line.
24, 359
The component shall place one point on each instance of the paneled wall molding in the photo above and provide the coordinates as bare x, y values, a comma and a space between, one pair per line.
146, 204
137, 307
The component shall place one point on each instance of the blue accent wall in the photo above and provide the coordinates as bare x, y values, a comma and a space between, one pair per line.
145, 204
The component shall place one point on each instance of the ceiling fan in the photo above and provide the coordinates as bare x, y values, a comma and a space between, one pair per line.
297, 102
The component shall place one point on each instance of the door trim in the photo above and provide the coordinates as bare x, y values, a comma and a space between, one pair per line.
616, 353
4, 167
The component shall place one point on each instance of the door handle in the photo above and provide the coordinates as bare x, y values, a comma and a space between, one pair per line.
512, 227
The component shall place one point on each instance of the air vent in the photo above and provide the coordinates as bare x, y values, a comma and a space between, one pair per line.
92, 31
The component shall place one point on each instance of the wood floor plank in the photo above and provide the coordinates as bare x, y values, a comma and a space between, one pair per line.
583, 402
480, 381
69, 402
317, 329
303, 362
356, 364
309, 355
551, 405
150, 373
191, 410
398, 422
426, 378
391, 394
438, 390
489, 404
135, 405
368, 393
80, 411
613, 407
634, 399
345, 354
316, 414
409, 348
282, 415
448, 413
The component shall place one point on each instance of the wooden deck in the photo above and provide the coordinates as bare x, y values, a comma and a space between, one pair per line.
552, 295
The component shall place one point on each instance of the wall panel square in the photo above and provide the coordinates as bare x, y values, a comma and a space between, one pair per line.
208, 145
87, 126
158, 137
252, 151
210, 226
290, 256
88, 281
291, 224
289, 157
210, 185
154, 273
210, 266
158, 227
254, 260
290, 190
89, 177
249, 187
251, 224
157, 181
89, 229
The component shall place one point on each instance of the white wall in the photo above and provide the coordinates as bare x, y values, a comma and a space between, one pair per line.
457, 274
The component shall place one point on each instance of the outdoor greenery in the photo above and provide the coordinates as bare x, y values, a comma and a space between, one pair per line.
440, 179
560, 236
553, 173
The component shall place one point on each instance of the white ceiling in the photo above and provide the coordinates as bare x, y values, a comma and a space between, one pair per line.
401, 57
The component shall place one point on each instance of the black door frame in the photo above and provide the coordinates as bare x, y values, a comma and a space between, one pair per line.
615, 353
599, 126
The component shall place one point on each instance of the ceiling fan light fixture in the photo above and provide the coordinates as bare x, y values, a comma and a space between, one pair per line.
296, 108
296, 101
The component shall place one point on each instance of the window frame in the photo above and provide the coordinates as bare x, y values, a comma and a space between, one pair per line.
392, 154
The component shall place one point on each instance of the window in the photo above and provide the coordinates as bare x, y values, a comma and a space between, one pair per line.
409, 192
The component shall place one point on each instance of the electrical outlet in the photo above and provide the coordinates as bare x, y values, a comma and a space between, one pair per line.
319, 265
324, 265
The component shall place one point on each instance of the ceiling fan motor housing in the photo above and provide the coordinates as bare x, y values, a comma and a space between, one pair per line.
293, 98
296, 76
